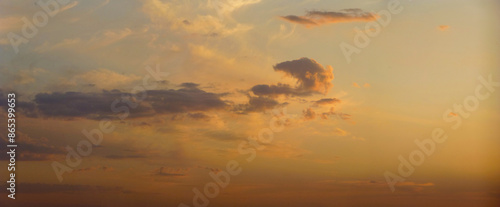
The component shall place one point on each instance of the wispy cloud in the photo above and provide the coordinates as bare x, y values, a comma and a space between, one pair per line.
318, 18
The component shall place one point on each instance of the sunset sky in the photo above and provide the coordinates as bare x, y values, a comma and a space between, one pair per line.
231, 67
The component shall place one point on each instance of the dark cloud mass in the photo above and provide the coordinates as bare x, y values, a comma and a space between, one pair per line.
326, 101
277, 90
184, 100
257, 104
38, 149
312, 78
189, 98
310, 75
187, 101
316, 18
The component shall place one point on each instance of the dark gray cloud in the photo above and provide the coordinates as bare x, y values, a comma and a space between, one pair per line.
184, 100
299, 20
258, 104
326, 101
334, 114
316, 18
277, 90
33, 149
188, 99
199, 116
310, 75
312, 78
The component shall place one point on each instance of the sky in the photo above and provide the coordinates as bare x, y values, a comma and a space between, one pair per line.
252, 102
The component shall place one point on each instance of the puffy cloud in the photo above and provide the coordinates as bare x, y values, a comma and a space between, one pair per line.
317, 18
174, 15
227, 7
310, 75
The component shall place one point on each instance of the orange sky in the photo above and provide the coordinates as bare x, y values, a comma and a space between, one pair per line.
288, 103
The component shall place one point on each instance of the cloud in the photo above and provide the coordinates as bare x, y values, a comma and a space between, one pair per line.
326, 101
199, 116
13, 78
97, 41
172, 172
105, 79
184, 100
310, 75
443, 27
275, 90
126, 156
176, 17
309, 114
299, 20
317, 18
331, 113
9, 24
38, 149
94, 168
325, 115
257, 104
227, 7
97, 105
342, 133
214, 170
60, 188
